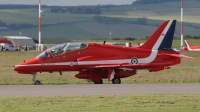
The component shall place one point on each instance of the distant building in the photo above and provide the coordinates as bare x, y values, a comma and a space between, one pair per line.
22, 41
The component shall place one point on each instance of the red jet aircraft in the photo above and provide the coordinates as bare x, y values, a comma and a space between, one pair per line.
98, 61
189, 47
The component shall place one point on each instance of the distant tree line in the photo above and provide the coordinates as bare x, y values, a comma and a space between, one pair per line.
127, 38
13, 26
2, 24
145, 38
192, 25
16, 6
96, 9
187, 37
20, 26
103, 19
76, 10
152, 1
191, 37
67, 8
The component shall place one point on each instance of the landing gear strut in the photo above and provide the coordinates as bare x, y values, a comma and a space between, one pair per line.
116, 81
36, 82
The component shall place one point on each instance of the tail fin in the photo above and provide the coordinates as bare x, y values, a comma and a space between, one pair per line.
162, 38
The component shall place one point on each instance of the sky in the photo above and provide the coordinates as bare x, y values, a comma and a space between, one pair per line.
68, 2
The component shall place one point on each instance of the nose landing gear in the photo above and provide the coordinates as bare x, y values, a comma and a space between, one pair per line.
36, 82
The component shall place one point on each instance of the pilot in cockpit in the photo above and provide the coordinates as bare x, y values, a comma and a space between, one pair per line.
58, 51
83, 45
68, 47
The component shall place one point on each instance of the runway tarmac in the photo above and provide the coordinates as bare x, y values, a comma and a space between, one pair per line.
105, 89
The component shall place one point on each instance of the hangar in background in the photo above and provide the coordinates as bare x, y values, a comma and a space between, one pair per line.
22, 40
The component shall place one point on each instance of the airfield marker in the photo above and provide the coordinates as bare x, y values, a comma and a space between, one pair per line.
158, 80
39, 26
170, 81
182, 30
134, 80
146, 80
183, 81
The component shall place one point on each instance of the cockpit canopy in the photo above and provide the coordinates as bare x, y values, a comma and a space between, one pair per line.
62, 49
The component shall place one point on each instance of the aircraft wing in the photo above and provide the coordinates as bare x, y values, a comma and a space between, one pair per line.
88, 58
179, 56
106, 66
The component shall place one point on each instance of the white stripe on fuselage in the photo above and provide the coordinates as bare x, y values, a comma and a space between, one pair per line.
148, 59
51, 64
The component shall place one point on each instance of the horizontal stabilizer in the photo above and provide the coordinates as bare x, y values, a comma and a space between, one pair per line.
179, 56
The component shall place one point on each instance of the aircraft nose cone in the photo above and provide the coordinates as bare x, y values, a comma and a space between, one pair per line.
22, 70
14, 68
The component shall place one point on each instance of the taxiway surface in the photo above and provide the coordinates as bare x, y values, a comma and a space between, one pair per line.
104, 89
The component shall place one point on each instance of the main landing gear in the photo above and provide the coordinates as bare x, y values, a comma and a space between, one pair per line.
116, 81
36, 82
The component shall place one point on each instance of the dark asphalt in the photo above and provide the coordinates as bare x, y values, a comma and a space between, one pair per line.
105, 89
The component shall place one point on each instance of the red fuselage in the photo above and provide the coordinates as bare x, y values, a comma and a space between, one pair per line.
95, 55
97, 61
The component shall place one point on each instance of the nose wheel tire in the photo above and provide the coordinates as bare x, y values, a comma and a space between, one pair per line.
116, 81
37, 82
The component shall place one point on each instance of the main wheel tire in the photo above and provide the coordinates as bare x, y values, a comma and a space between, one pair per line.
37, 82
101, 82
116, 81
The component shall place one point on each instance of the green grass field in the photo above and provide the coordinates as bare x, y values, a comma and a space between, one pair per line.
104, 103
